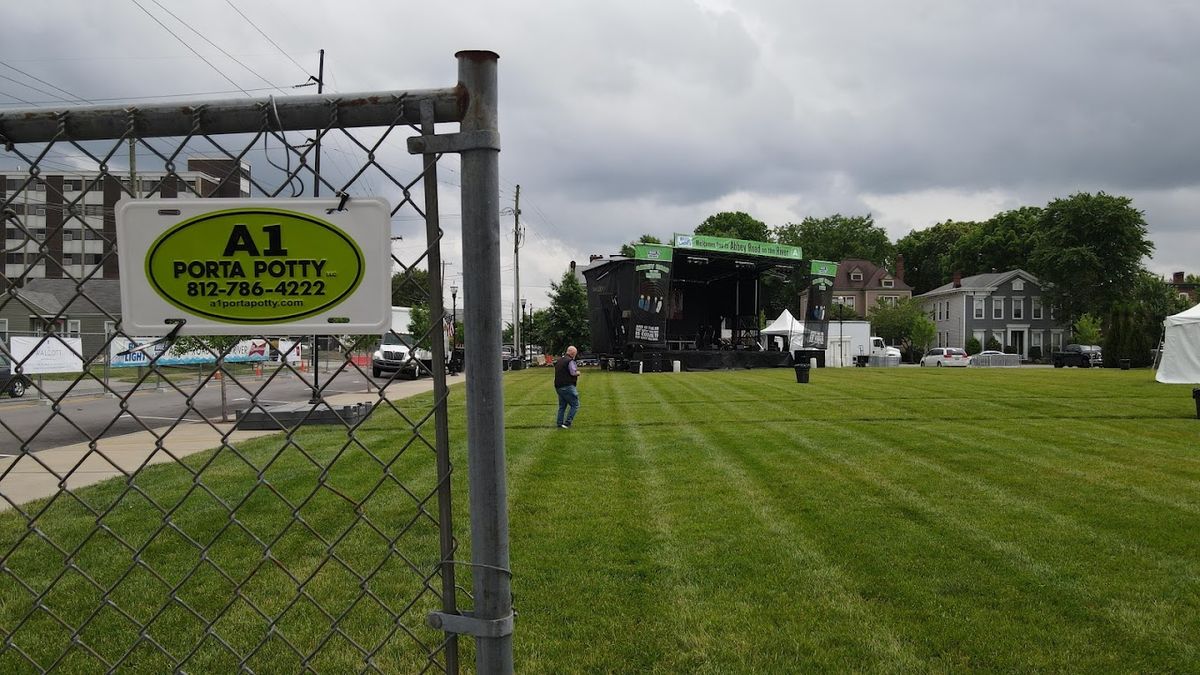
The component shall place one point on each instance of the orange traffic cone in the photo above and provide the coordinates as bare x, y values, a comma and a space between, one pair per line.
304, 366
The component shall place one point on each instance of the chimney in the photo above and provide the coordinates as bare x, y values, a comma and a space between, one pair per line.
900, 267
1178, 278
958, 279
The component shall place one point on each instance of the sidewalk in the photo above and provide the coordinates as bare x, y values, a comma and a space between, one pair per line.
22, 479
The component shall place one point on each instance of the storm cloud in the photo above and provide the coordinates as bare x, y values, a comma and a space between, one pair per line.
626, 117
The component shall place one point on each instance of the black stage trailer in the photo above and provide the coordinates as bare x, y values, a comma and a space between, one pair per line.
697, 302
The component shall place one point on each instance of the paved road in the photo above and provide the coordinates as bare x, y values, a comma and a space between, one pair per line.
79, 417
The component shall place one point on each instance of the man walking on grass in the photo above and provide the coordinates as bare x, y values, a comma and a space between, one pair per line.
566, 374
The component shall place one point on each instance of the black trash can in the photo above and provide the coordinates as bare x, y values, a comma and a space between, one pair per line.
802, 373
635, 367
503, 364
604, 364
1196, 396
1124, 363
517, 364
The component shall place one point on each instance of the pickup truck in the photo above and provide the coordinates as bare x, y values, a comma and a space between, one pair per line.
1080, 356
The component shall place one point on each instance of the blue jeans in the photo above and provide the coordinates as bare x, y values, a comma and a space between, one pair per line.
567, 396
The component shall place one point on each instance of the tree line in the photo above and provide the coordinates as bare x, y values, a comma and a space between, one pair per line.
1087, 249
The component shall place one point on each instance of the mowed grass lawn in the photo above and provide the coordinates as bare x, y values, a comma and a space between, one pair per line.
875, 519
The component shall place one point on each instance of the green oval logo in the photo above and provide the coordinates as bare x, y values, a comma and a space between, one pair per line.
254, 265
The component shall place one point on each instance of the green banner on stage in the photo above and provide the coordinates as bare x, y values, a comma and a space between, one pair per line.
700, 242
657, 252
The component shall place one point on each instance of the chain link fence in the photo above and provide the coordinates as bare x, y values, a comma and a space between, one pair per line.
140, 528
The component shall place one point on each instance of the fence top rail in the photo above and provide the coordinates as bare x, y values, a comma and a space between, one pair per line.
227, 116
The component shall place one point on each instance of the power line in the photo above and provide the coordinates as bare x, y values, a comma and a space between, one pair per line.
229, 56
267, 37
190, 48
30, 86
5, 93
38, 79
156, 96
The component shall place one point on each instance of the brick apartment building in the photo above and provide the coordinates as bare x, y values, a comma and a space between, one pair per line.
1185, 289
65, 221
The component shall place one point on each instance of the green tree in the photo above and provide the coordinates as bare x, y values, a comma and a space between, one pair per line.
899, 323
418, 325
928, 254
973, 345
734, 225
839, 312
627, 249
839, 237
1133, 328
923, 333
567, 323
410, 288
219, 345
1001, 243
1089, 252
1087, 330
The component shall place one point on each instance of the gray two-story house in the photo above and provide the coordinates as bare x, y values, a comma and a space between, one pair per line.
1008, 306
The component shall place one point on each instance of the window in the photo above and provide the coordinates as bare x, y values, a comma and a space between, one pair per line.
74, 327
1018, 308
1056, 340
39, 210
1035, 339
93, 209
888, 283
1037, 307
70, 235
92, 235
1018, 284
847, 300
13, 184
93, 258
14, 258
856, 275
110, 327
70, 259
72, 185
978, 308
981, 336
890, 300
938, 311
4, 331
947, 310
997, 308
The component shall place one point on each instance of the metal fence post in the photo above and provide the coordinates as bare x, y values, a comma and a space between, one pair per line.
485, 395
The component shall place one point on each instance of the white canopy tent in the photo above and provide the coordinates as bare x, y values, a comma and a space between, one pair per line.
786, 325
1181, 349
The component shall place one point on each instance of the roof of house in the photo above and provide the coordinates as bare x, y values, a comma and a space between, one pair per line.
873, 276
99, 296
980, 282
39, 303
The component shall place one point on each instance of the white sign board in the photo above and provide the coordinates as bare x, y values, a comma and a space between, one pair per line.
255, 266
37, 355
122, 356
291, 351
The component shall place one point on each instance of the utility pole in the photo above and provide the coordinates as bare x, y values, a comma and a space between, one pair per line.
517, 347
316, 352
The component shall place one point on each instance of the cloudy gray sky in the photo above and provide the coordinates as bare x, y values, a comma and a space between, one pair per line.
624, 117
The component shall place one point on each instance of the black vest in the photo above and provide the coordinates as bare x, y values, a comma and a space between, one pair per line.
562, 372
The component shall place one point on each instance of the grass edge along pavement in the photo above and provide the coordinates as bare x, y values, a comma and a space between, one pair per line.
890, 519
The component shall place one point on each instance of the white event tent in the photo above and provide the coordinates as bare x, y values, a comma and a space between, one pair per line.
1181, 349
787, 326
